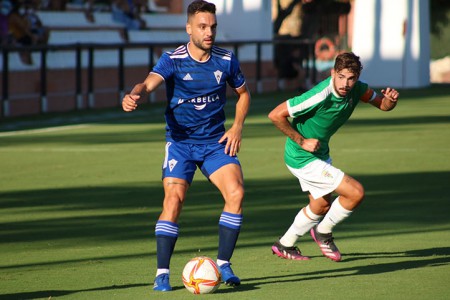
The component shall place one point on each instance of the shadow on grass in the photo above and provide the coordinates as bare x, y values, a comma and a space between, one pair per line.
154, 113
129, 213
58, 293
427, 259
442, 251
147, 135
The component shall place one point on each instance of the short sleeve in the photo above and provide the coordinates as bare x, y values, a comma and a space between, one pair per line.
237, 78
164, 66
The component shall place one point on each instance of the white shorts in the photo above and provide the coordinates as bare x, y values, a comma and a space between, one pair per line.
319, 177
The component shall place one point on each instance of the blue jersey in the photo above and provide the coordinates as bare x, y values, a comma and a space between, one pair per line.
196, 93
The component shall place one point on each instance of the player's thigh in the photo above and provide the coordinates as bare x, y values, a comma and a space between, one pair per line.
228, 178
222, 169
350, 188
215, 158
175, 190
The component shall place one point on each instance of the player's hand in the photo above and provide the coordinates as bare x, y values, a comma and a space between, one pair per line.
129, 102
389, 101
310, 145
390, 94
233, 137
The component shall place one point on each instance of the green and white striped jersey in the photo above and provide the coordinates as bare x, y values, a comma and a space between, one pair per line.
319, 113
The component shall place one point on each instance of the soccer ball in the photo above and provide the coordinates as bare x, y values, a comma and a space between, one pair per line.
201, 275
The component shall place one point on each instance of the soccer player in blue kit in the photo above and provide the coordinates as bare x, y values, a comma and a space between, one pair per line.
196, 76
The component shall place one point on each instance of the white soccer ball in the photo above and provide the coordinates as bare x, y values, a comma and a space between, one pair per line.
201, 275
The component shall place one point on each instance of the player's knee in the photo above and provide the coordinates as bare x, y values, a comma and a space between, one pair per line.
324, 210
235, 195
172, 204
238, 193
320, 208
358, 194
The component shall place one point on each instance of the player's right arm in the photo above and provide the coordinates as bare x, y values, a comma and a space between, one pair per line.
279, 117
140, 90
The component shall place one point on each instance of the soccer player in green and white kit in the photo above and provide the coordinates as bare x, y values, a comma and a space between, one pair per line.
316, 116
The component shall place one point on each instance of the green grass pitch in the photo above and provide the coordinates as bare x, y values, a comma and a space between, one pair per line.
80, 194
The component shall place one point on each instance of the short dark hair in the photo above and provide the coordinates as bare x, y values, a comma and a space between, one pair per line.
200, 6
348, 60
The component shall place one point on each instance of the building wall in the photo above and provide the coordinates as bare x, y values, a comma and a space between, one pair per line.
393, 40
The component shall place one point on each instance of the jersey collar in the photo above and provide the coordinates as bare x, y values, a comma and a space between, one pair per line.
201, 62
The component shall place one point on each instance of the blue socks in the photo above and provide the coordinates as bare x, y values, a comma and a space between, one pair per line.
229, 228
166, 233
166, 236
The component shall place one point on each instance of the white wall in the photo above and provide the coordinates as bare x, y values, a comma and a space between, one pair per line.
392, 39
244, 20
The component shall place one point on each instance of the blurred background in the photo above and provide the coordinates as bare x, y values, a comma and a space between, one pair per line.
64, 55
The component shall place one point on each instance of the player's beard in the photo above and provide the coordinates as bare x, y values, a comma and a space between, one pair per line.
343, 91
200, 44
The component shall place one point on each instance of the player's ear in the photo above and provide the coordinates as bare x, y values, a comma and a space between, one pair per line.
188, 28
332, 72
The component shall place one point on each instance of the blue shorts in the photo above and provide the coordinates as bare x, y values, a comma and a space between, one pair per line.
182, 159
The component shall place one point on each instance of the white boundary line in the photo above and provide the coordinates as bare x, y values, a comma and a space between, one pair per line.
43, 130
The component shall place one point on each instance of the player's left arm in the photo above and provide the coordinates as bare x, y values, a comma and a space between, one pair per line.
386, 101
233, 136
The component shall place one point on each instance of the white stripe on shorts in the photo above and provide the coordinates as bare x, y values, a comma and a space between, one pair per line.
166, 154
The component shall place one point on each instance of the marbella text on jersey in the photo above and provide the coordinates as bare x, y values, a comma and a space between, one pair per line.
200, 100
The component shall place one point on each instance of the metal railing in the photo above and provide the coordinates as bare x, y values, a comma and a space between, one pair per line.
78, 48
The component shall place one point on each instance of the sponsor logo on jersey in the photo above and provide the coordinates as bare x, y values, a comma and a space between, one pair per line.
188, 77
199, 107
200, 102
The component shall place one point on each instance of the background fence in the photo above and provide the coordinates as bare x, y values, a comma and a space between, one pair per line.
77, 76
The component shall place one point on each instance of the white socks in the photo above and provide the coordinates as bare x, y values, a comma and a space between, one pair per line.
303, 222
221, 262
335, 215
162, 271
306, 219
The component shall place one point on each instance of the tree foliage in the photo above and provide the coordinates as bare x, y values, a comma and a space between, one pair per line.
439, 15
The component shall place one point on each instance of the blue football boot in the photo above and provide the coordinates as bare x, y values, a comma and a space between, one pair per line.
162, 283
228, 276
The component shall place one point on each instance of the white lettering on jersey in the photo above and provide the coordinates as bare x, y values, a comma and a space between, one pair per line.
218, 75
200, 102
